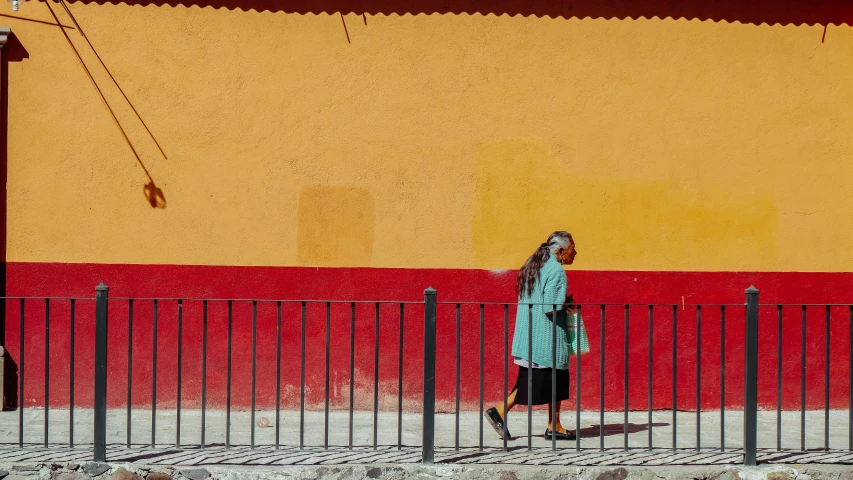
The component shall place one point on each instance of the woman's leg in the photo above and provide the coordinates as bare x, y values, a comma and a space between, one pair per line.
510, 399
510, 402
497, 416
560, 428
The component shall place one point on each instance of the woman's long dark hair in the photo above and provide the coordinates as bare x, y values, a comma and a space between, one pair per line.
529, 273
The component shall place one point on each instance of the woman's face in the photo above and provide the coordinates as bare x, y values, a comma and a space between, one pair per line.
566, 256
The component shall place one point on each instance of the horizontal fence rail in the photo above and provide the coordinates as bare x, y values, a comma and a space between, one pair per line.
220, 373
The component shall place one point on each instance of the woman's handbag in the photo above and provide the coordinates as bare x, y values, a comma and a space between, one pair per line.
577, 346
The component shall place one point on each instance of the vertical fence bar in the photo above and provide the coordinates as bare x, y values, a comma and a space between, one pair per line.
553, 418
228, 377
100, 434
674, 377
376, 381
826, 387
180, 362
71, 379
278, 375
577, 380
458, 341
506, 371
255, 368
429, 376
751, 378
204, 372
302, 381
601, 380
328, 353
625, 375
46, 369
400, 382
529, 377
850, 385
779, 378
482, 340
129, 368
21, 381
154, 378
651, 370
351, 370
722, 378
699, 377
803, 383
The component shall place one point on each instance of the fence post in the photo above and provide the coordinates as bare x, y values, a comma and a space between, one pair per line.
750, 424
429, 376
101, 296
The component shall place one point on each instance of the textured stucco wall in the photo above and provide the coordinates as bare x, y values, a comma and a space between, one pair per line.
442, 140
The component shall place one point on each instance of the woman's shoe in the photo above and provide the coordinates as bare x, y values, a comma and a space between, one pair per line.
497, 422
560, 435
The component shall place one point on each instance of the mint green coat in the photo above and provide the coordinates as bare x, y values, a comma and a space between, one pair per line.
550, 290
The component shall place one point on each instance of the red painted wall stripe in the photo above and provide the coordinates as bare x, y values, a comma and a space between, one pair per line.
358, 284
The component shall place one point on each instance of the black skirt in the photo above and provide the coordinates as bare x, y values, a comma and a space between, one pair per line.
541, 386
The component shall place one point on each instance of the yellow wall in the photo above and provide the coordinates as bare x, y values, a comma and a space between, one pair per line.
453, 141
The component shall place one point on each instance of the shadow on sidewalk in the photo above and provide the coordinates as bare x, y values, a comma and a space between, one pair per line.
616, 429
609, 429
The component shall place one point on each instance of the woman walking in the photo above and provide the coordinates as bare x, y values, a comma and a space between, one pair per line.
541, 285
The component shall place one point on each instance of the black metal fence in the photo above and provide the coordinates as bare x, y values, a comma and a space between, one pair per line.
442, 336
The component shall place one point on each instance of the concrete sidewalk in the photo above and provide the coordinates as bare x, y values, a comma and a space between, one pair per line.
386, 426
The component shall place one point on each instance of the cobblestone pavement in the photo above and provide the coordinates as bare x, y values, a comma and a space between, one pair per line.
266, 456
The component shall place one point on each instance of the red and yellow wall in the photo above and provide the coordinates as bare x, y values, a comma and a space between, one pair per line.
365, 159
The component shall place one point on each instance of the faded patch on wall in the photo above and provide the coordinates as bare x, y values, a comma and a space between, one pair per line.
523, 193
336, 226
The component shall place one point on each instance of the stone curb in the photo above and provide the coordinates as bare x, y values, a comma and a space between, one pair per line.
102, 471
